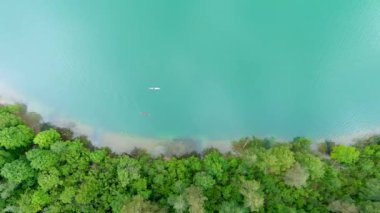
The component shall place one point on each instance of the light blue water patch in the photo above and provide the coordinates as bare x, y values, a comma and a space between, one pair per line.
226, 69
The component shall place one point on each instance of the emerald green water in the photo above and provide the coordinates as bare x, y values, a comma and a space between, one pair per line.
226, 69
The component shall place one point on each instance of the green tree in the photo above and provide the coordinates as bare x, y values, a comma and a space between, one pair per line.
6, 189
49, 179
16, 137
370, 207
296, 176
253, 198
313, 164
275, 160
46, 138
42, 159
128, 170
5, 157
8, 120
72, 155
178, 203
97, 156
204, 180
343, 207
301, 144
345, 154
371, 190
67, 194
88, 190
195, 199
138, 205
33, 201
231, 207
40, 198
14, 109
17, 171
26, 204
215, 164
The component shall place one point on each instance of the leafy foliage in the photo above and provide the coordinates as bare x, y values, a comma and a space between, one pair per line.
296, 176
16, 137
138, 205
343, 207
196, 199
345, 154
8, 120
46, 138
42, 159
252, 196
66, 174
5, 157
17, 171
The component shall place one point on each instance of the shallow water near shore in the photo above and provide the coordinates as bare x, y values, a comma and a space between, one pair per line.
225, 69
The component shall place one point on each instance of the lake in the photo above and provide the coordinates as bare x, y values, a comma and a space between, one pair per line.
225, 69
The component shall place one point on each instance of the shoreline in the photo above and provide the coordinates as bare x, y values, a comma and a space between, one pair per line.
120, 142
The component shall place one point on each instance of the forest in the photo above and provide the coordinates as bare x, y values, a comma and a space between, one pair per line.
44, 168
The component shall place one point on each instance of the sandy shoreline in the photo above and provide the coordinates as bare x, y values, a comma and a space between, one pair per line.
123, 142
117, 142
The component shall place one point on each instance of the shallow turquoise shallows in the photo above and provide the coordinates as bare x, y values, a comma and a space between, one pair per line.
225, 69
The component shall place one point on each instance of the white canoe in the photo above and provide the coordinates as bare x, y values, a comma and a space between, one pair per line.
154, 88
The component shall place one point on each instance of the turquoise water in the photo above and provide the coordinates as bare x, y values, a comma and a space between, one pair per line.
225, 68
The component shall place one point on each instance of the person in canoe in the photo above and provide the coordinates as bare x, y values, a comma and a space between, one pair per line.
154, 88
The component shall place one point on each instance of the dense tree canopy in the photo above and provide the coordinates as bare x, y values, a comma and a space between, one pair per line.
296, 176
17, 171
46, 138
46, 171
16, 137
345, 154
